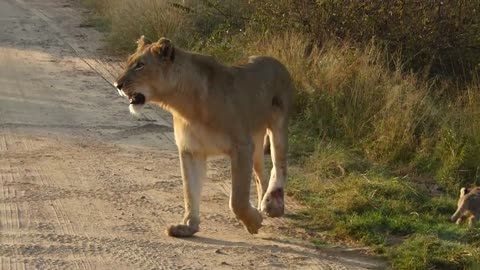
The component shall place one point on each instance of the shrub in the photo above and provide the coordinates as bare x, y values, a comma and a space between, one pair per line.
458, 147
438, 37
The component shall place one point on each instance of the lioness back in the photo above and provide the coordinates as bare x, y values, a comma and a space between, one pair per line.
249, 92
268, 76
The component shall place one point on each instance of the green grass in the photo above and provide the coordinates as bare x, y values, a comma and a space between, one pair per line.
396, 217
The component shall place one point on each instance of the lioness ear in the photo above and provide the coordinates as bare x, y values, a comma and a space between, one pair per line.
164, 49
142, 41
464, 191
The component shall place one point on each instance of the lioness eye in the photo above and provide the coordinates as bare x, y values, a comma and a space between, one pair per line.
139, 66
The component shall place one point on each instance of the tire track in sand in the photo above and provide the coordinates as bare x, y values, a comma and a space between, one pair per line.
9, 212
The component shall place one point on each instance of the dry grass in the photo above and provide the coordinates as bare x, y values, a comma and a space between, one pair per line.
152, 18
349, 94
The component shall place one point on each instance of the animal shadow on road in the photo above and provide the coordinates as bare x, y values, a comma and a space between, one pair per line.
344, 256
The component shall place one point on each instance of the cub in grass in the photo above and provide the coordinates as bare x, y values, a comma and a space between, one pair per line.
468, 206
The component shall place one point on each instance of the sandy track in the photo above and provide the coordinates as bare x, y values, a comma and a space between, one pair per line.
84, 185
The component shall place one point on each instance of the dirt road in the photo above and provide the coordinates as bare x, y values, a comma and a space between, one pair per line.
85, 185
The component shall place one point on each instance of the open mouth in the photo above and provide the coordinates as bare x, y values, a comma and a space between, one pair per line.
137, 99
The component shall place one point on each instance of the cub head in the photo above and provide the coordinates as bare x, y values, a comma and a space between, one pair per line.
147, 75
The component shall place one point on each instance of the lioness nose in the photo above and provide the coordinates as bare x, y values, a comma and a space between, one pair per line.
118, 85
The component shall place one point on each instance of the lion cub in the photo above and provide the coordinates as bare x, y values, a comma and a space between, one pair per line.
468, 206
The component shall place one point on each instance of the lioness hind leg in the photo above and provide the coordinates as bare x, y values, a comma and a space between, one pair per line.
259, 169
242, 161
273, 201
193, 174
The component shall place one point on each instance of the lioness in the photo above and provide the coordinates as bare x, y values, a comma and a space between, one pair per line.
468, 206
217, 110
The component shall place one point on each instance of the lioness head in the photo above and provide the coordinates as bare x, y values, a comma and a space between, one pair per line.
146, 76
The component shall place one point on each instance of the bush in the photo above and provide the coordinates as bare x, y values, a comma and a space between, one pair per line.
458, 147
438, 37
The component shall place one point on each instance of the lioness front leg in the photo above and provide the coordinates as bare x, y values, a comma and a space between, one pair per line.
459, 220
193, 168
472, 220
241, 159
273, 202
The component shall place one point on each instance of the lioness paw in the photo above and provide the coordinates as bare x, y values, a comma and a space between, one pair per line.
273, 204
254, 222
181, 231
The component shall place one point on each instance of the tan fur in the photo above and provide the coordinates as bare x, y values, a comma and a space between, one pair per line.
218, 110
468, 206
